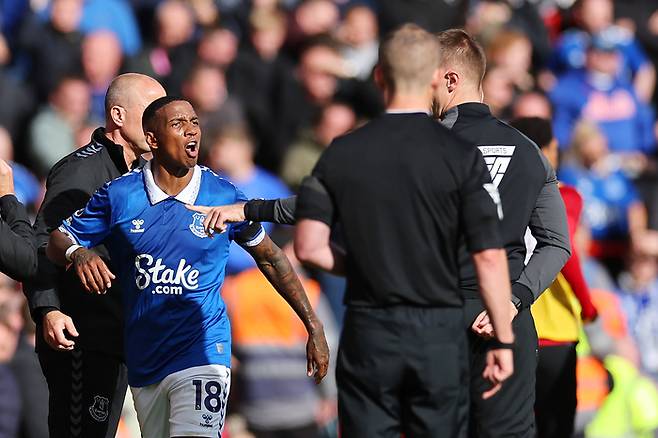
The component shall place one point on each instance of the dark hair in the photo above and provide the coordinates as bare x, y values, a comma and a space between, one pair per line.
150, 111
536, 129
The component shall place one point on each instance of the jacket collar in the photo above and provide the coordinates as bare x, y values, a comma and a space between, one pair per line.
115, 151
469, 109
187, 196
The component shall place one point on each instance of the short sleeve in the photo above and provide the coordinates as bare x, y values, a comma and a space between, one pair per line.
635, 56
90, 226
314, 201
245, 233
632, 196
481, 209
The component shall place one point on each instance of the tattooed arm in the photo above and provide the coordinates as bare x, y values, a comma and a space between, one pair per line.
276, 267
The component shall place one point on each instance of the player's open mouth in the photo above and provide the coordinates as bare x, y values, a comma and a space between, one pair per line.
192, 149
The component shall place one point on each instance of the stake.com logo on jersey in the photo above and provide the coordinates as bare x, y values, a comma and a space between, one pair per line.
167, 280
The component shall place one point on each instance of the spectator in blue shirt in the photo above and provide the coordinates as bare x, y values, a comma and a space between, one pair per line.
613, 209
101, 61
599, 95
638, 290
594, 17
231, 155
114, 15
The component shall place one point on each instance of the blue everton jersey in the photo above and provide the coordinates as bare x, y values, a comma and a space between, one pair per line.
170, 271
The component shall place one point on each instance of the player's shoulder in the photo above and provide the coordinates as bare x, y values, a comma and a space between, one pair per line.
210, 178
128, 180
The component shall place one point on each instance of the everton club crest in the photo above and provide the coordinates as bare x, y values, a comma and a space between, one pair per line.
196, 227
100, 409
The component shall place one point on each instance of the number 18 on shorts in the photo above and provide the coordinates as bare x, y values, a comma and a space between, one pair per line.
191, 402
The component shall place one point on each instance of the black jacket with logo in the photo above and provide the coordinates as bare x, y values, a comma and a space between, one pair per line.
70, 184
529, 196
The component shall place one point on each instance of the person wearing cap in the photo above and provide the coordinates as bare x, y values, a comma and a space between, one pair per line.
596, 16
598, 94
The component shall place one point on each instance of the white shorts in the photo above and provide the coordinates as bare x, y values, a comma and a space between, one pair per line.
190, 402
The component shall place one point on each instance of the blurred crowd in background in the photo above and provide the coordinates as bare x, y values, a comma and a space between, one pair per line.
273, 82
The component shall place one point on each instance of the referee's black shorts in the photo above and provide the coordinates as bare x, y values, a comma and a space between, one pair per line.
402, 370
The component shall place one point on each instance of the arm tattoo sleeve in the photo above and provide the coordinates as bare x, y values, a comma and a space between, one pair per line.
276, 267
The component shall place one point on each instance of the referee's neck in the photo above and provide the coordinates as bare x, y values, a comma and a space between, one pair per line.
401, 103
465, 95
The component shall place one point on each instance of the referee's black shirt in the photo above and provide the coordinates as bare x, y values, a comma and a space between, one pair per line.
404, 190
70, 184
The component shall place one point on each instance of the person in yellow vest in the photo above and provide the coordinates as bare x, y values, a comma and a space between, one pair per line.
558, 313
268, 342
614, 399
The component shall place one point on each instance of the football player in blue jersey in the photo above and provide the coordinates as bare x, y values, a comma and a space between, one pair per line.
176, 328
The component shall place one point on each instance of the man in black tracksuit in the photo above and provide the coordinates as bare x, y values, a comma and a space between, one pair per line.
80, 335
530, 199
17, 253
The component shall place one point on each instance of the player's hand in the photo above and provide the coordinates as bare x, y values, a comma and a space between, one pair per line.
500, 365
6, 179
54, 323
483, 326
92, 271
218, 218
317, 355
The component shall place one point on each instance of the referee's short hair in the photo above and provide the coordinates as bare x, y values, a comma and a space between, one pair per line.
460, 52
408, 59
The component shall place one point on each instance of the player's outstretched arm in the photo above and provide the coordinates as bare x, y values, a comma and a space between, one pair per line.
276, 267
94, 274
279, 211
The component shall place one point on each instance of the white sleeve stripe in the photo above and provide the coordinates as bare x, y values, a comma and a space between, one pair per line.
69, 235
256, 240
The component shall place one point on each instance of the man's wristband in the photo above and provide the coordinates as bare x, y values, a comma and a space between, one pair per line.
45, 310
70, 250
259, 210
495, 344
523, 294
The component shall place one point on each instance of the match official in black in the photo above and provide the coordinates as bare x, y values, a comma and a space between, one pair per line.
18, 257
531, 200
406, 192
